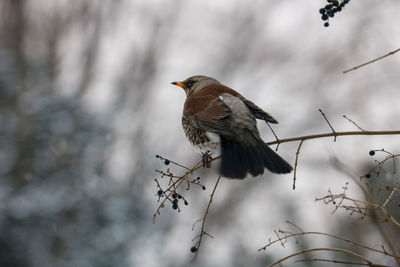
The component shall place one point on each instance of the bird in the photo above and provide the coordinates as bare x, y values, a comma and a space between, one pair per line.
217, 120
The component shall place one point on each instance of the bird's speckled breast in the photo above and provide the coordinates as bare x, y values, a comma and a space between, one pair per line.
202, 141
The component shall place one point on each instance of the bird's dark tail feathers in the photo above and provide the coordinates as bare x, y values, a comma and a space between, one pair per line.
238, 159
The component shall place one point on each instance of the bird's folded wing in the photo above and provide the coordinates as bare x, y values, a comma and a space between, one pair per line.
212, 117
258, 112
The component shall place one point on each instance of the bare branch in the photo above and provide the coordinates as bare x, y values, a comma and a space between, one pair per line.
340, 262
295, 164
202, 232
353, 122
362, 210
276, 137
372, 61
369, 263
330, 125
317, 136
173, 162
288, 235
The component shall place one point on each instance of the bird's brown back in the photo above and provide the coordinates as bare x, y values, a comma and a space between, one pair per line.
201, 99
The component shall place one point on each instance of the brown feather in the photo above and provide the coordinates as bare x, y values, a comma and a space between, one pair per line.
205, 98
204, 109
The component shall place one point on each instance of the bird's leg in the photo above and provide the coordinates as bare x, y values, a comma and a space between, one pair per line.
206, 159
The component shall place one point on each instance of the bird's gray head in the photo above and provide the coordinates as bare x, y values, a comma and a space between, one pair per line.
194, 83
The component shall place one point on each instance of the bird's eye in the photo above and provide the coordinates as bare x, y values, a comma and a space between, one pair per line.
189, 83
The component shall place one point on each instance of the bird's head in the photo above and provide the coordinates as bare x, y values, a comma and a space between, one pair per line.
194, 83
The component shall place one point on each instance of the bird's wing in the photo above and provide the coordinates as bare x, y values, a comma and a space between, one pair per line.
211, 114
226, 114
258, 112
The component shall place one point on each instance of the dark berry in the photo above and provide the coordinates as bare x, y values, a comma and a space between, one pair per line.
367, 175
186, 203
174, 206
204, 188
179, 196
334, 202
198, 178
371, 153
157, 156
174, 195
160, 192
175, 201
331, 8
166, 162
193, 249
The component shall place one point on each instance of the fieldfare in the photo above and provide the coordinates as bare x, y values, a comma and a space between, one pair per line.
217, 120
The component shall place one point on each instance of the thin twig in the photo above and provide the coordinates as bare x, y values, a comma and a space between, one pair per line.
388, 198
340, 262
380, 164
325, 249
330, 125
329, 235
276, 137
372, 61
173, 162
204, 220
295, 225
282, 240
353, 122
295, 165
388, 237
343, 196
389, 217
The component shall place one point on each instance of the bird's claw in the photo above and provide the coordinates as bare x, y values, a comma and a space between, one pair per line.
206, 160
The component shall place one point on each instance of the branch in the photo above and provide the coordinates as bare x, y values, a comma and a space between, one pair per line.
302, 233
322, 135
389, 217
369, 263
338, 261
329, 124
196, 248
316, 136
354, 123
372, 61
295, 164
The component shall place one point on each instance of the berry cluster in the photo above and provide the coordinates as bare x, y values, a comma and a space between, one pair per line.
170, 193
175, 198
331, 8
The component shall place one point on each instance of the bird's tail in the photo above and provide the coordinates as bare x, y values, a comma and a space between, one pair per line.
238, 159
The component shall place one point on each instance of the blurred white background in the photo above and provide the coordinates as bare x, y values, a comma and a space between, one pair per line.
86, 103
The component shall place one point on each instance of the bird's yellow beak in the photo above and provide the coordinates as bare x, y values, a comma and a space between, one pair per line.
180, 84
